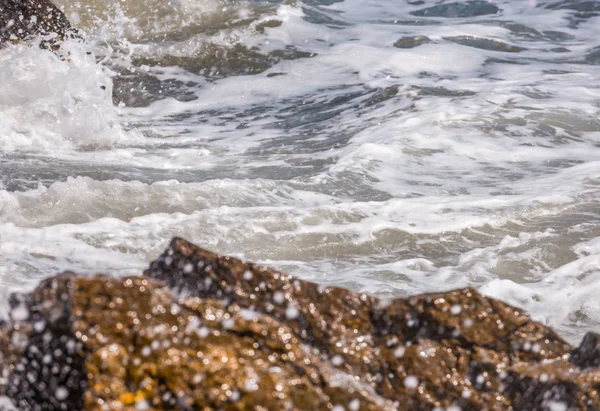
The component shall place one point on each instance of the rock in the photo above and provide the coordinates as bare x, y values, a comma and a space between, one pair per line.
442, 342
471, 8
331, 319
588, 353
46, 361
144, 348
484, 44
552, 385
20, 19
411, 42
204, 331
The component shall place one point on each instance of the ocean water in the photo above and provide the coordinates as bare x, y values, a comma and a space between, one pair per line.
391, 147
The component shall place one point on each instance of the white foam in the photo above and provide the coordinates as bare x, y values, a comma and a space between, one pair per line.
51, 103
386, 170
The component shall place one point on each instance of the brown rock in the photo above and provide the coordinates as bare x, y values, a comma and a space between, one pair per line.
444, 343
411, 42
241, 336
144, 348
334, 320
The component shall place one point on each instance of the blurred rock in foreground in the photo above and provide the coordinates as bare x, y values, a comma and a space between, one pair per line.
20, 19
201, 331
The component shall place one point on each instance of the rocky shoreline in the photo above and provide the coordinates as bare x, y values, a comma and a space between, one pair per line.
202, 331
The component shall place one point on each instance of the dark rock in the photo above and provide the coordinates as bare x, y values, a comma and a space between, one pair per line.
552, 385
485, 44
20, 19
472, 8
204, 331
46, 359
587, 355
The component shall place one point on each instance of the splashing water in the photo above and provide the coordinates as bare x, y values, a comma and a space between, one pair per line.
388, 147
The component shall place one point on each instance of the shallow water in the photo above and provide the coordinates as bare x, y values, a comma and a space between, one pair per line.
391, 147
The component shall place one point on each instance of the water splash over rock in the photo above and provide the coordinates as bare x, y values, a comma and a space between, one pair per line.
204, 331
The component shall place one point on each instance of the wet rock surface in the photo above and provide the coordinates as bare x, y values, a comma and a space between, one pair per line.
411, 42
204, 331
20, 19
